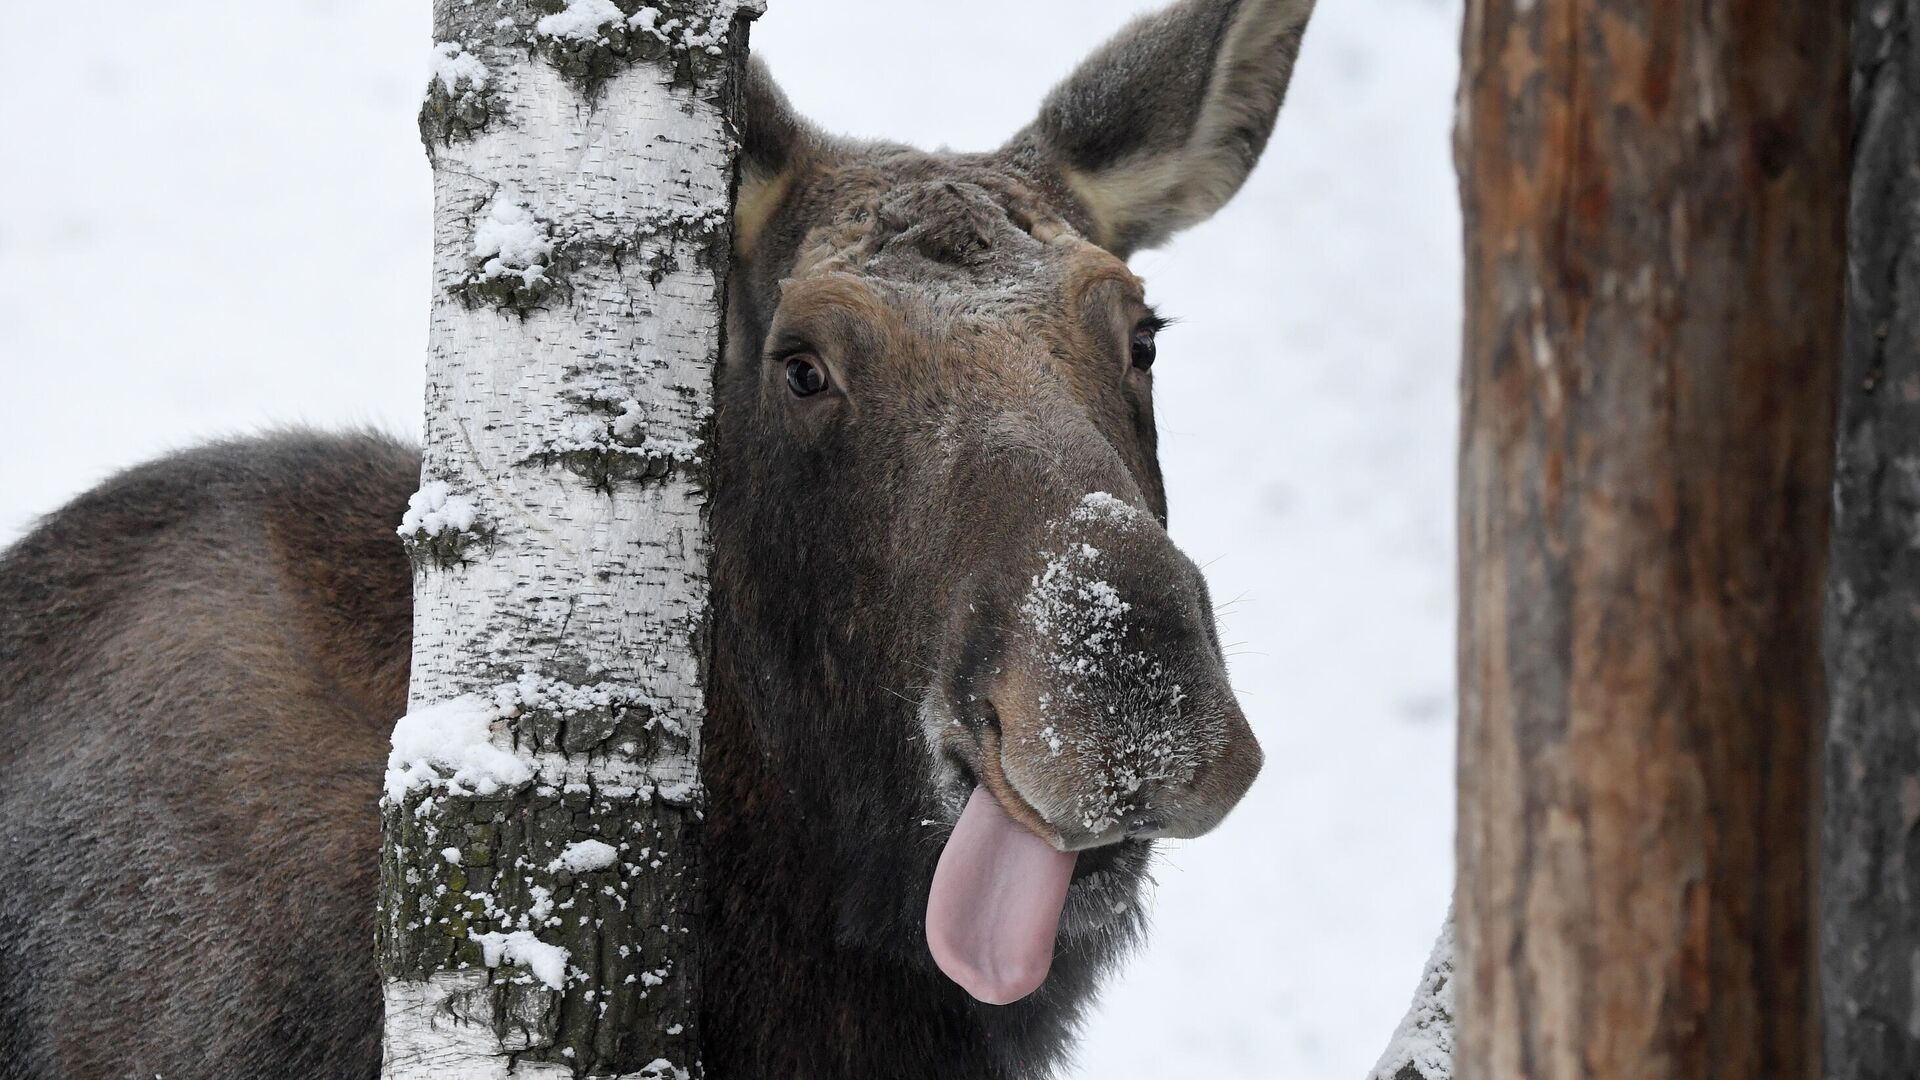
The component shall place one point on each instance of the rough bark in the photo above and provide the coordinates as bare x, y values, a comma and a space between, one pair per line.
539, 884
1871, 887
1654, 196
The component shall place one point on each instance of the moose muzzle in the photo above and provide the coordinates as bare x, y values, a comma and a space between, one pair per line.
1102, 713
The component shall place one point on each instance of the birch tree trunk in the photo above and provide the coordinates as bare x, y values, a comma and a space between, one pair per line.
539, 877
1871, 887
1654, 195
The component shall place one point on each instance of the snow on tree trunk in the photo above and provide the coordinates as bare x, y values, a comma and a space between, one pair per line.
1422, 1047
1654, 196
539, 877
1870, 956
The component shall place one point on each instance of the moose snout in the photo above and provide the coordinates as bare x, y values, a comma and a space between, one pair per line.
1111, 717
1172, 773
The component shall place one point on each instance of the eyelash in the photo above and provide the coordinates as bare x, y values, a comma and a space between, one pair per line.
1142, 341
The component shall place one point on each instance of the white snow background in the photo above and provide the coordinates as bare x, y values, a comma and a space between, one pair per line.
215, 217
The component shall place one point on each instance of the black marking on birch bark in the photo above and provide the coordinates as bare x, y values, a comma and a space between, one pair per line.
460, 114
677, 34
441, 524
612, 444
446, 549
605, 466
517, 292
662, 241
659, 244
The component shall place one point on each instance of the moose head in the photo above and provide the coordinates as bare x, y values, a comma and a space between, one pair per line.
955, 633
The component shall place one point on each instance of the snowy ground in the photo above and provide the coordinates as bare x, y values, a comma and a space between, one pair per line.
214, 217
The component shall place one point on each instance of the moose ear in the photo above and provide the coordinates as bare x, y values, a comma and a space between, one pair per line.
772, 141
1158, 129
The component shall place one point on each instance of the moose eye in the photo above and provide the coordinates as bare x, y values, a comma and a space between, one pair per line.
1143, 346
806, 376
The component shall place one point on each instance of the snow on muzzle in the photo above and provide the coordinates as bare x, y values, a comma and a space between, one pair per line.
1114, 721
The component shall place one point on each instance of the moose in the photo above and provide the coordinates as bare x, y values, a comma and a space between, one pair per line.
962, 679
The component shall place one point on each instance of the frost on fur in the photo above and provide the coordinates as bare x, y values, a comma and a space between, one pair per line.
1078, 624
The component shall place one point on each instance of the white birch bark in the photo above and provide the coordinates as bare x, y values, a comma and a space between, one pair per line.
539, 869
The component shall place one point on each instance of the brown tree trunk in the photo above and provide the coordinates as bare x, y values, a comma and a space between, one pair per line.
1871, 887
1654, 194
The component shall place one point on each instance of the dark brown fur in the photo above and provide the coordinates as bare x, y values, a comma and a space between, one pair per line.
201, 660
198, 665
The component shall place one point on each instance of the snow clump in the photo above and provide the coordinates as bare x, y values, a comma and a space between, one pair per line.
580, 20
510, 242
1101, 505
434, 509
451, 744
586, 855
547, 962
453, 65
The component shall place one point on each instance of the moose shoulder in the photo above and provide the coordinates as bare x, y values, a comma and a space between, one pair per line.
962, 679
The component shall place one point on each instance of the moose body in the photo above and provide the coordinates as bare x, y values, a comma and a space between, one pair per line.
941, 582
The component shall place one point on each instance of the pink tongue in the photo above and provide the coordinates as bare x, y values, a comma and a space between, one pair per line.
995, 904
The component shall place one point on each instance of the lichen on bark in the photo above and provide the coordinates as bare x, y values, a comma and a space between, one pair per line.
623, 927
